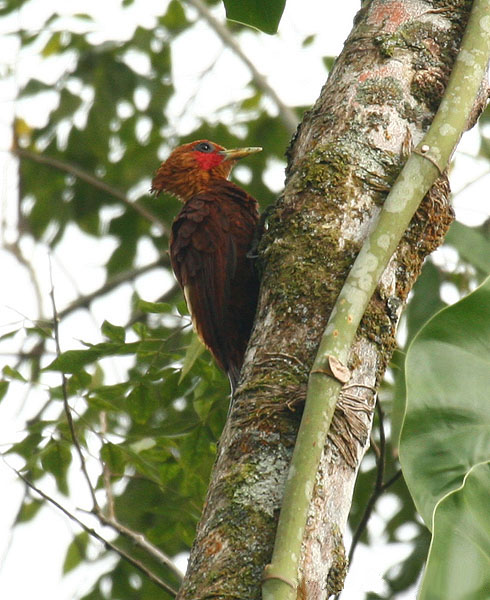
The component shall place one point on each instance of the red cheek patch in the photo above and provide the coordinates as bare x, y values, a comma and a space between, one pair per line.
208, 161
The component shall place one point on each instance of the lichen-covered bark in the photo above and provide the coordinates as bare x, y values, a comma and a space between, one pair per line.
378, 101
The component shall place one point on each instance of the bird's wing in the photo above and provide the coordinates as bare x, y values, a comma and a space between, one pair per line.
203, 256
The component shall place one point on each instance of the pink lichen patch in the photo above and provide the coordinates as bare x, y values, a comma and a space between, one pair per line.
389, 15
381, 71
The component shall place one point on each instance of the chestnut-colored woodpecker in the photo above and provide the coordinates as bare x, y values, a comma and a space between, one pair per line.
209, 247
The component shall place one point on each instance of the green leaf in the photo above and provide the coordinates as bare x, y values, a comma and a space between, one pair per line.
328, 61
109, 397
34, 86
72, 361
256, 13
175, 18
193, 352
53, 46
146, 443
68, 104
122, 257
308, 40
154, 307
83, 16
11, 373
425, 300
8, 6
28, 446
115, 333
114, 458
458, 566
75, 552
472, 243
141, 403
56, 459
28, 511
81, 380
4, 386
447, 421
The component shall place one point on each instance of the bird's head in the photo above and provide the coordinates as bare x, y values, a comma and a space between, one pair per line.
191, 168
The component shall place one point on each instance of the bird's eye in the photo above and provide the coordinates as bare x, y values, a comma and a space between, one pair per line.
204, 147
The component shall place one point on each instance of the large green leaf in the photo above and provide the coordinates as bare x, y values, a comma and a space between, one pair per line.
458, 567
472, 243
256, 13
447, 421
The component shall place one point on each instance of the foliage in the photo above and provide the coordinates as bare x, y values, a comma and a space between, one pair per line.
263, 15
150, 436
445, 432
445, 443
457, 565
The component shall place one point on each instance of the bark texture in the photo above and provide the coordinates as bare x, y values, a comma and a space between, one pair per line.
378, 101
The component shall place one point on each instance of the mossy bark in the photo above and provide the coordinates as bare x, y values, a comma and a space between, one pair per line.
378, 101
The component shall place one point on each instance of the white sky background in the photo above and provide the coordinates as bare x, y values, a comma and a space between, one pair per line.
30, 560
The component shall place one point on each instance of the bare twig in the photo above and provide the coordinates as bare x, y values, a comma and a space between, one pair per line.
15, 250
378, 484
137, 538
113, 282
110, 519
140, 540
286, 113
109, 545
106, 471
91, 180
66, 406
391, 480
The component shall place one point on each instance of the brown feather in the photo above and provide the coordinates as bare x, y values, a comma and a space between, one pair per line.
211, 237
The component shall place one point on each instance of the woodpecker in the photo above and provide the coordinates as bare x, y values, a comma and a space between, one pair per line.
209, 245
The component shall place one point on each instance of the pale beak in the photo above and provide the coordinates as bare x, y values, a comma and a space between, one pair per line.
237, 153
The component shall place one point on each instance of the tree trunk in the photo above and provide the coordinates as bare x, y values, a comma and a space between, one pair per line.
379, 100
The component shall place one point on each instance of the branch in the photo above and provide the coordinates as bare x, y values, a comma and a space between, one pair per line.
166, 297
137, 538
140, 540
425, 164
66, 406
109, 545
91, 180
16, 251
110, 519
287, 114
113, 282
